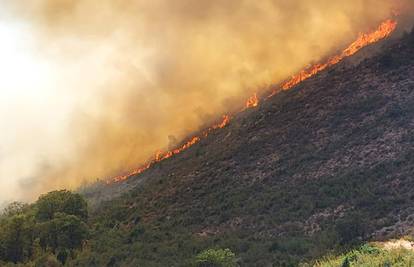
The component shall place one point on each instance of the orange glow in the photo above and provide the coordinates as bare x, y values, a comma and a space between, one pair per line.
364, 39
160, 155
252, 102
224, 122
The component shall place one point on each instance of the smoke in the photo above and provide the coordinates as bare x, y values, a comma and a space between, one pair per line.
115, 81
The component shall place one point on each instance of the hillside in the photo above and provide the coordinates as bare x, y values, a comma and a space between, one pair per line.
318, 168
313, 171
392, 253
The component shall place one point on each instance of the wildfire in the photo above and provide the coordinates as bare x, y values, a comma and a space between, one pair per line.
224, 122
160, 155
364, 39
252, 102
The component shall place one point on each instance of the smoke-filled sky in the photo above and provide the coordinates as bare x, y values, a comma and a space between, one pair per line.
92, 88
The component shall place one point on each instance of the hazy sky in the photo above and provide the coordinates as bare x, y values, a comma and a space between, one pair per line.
91, 88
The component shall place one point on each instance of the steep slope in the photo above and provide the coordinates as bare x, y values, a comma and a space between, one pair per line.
325, 164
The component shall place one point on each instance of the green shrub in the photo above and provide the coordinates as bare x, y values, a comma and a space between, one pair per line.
53, 226
216, 258
62, 201
47, 261
62, 232
370, 256
346, 263
351, 228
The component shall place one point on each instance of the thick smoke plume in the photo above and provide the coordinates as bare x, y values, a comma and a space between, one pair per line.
127, 78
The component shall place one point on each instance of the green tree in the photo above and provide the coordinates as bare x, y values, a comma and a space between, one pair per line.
63, 232
16, 234
62, 201
53, 226
216, 258
14, 208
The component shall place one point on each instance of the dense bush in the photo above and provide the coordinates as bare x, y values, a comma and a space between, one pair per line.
16, 237
61, 202
351, 228
216, 258
369, 255
45, 232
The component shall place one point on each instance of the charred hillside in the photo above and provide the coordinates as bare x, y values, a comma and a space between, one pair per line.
322, 166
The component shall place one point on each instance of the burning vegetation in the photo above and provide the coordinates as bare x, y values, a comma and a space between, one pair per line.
384, 30
253, 101
161, 155
364, 39
126, 80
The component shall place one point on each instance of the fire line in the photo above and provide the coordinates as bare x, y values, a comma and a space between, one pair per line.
364, 39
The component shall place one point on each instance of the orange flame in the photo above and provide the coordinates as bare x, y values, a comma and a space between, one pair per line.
252, 102
224, 122
364, 39
160, 155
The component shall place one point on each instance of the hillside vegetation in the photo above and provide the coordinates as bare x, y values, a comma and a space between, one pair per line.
369, 256
46, 233
312, 171
319, 168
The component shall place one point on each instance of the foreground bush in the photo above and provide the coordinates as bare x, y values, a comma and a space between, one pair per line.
45, 233
216, 258
367, 256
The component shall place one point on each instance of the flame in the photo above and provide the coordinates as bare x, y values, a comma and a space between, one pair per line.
224, 122
160, 155
364, 39
252, 102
